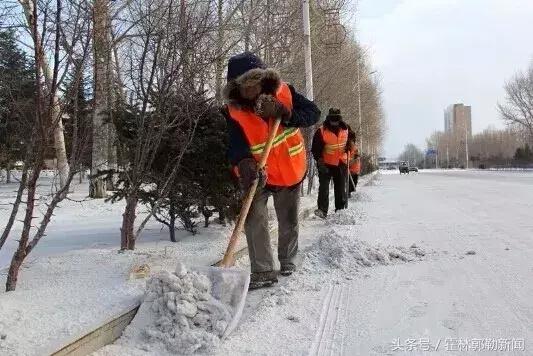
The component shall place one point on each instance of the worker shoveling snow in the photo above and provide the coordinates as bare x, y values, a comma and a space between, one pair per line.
183, 312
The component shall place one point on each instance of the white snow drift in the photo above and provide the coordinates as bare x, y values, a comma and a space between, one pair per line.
349, 254
179, 315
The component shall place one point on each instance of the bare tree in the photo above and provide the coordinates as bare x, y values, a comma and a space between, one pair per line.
518, 106
46, 120
168, 50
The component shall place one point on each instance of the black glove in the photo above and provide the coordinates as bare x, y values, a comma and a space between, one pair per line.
343, 167
321, 166
267, 106
248, 172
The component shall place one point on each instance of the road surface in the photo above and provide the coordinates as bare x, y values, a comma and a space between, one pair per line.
471, 294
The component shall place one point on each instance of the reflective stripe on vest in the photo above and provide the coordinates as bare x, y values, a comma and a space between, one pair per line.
334, 146
286, 164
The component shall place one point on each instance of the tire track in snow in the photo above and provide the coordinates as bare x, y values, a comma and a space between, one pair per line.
329, 336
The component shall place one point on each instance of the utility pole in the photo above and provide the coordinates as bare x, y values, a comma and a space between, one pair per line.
359, 104
308, 89
466, 143
307, 52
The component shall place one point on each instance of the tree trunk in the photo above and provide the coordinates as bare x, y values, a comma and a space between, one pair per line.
8, 172
59, 143
59, 137
14, 267
172, 228
15, 209
102, 54
20, 254
221, 215
219, 64
111, 156
127, 236
111, 97
249, 24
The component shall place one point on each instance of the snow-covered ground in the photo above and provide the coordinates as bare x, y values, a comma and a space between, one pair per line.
435, 260
76, 279
83, 223
471, 292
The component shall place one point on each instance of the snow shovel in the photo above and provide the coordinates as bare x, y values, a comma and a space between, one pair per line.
230, 285
348, 178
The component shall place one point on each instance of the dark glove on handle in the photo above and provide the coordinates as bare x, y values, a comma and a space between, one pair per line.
248, 172
267, 106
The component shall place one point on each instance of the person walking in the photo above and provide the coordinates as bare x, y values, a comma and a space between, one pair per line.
329, 152
255, 96
354, 164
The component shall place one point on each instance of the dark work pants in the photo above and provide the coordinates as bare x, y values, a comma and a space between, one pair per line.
355, 178
338, 174
286, 204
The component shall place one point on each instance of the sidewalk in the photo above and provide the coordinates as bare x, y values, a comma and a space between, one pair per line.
61, 298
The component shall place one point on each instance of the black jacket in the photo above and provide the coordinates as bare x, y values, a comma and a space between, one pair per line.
318, 142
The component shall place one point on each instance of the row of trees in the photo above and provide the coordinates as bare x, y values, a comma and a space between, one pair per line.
131, 89
491, 147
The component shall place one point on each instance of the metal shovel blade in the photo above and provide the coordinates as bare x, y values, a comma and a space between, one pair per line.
230, 286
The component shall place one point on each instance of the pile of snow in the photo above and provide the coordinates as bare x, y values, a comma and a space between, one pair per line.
361, 196
179, 315
349, 254
345, 217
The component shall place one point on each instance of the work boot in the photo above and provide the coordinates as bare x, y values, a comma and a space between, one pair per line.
262, 279
287, 269
320, 214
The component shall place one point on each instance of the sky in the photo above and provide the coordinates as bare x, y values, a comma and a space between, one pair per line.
433, 53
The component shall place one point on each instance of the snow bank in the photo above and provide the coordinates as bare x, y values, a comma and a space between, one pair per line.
349, 254
362, 197
345, 217
179, 315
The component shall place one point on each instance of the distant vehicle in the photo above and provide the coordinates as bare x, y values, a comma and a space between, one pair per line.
413, 169
404, 167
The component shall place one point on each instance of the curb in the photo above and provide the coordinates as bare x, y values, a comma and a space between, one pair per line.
111, 330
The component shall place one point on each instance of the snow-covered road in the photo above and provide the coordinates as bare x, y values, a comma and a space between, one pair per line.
472, 292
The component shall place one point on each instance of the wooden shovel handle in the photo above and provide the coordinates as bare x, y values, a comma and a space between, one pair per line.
229, 259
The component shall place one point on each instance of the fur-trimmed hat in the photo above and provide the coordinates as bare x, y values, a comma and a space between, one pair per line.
248, 78
242, 63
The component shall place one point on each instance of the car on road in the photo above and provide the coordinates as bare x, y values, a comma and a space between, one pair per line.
413, 169
404, 167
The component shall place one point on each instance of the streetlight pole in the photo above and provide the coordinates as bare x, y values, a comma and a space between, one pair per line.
466, 143
307, 52
308, 132
359, 105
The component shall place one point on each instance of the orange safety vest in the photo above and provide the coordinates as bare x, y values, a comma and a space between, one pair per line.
286, 164
334, 146
355, 162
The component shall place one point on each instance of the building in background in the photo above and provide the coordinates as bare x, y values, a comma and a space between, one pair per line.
457, 134
458, 120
